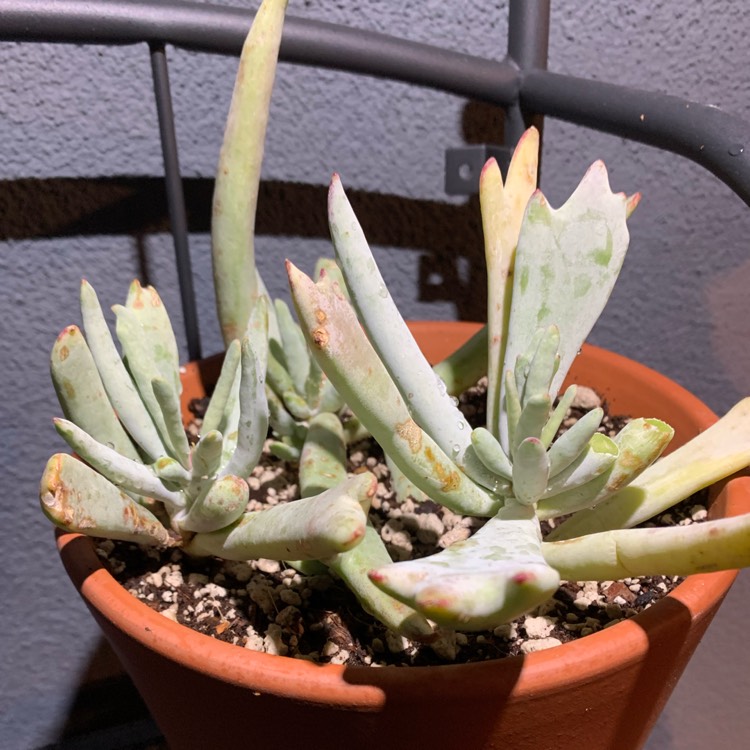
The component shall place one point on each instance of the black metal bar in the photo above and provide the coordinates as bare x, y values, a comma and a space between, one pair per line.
716, 140
209, 28
175, 197
708, 136
528, 43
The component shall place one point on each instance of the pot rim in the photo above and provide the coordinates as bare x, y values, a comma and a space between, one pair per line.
364, 687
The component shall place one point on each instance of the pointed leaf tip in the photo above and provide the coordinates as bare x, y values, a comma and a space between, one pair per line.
631, 203
489, 166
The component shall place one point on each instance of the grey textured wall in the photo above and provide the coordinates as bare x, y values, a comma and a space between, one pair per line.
75, 121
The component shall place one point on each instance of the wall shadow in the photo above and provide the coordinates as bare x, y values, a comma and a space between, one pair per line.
106, 709
447, 236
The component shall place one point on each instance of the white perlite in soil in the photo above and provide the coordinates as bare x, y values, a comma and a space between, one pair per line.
266, 606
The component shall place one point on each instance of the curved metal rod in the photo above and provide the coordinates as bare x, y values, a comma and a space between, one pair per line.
715, 139
211, 28
718, 141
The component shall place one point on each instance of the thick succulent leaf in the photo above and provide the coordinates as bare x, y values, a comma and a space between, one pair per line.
172, 415
282, 422
572, 443
353, 568
118, 384
231, 417
323, 462
123, 472
143, 370
343, 351
566, 264
426, 396
295, 349
522, 364
258, 330
157, 331
171, 472
77, 498
214, 418
297, 405
329, 267
558, 415
327, 398
222, 503
599, 457
461, 369
533, 417
206, 455
503, 207
573, 499
252, 427
512, 409
530, 471
277, 372
489, 579
238, 174
491, 453
286, 450
640, 443
719, 451
272, 324
675, 550
82, 395
312, 528
543, 366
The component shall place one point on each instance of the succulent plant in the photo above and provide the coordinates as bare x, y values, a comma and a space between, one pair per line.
550, 273
139, 478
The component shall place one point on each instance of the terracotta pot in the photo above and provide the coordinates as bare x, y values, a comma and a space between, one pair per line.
604, 691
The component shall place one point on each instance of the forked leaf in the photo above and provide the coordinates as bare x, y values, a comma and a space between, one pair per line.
148, 308
491, 578
566, 264
503, 207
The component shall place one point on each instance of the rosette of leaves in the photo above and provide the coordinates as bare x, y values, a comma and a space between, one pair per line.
550, 273
137, 478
